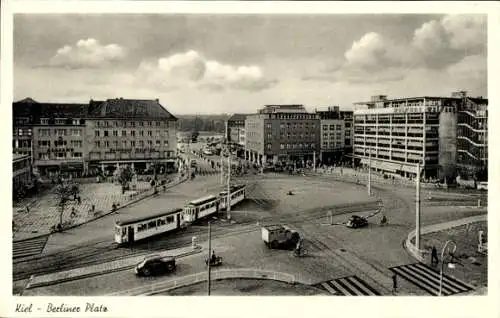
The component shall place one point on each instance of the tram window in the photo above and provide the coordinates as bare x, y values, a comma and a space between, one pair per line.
161, 222
170, 219
151, 224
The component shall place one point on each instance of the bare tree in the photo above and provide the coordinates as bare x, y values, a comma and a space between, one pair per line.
125, 176
64, 192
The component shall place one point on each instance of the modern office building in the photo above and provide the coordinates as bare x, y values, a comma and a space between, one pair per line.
394, 135
337, 133
472, 137
131, 132
282, 133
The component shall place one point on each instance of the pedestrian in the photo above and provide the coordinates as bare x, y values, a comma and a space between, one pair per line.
434, 256
27, 209
394, 284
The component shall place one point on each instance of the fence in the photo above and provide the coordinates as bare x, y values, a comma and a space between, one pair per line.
201, 277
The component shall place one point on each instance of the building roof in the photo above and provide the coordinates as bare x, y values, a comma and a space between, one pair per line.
129, 108
237, 117
30, 108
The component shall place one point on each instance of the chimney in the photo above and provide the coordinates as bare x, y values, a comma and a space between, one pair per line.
157, 100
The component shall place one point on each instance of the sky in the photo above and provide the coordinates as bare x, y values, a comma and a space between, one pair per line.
238, 63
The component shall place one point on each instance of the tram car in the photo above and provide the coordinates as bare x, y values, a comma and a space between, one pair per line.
135, 229
211, 204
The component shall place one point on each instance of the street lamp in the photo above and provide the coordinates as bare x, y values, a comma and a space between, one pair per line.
451, 247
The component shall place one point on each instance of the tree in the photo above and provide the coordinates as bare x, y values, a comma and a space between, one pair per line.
64, 191
125, 176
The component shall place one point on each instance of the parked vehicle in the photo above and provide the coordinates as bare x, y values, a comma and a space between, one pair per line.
217, 262
356, 221
279, 236
155, 265
482, 186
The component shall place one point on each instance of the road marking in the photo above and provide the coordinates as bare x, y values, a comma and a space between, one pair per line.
348, 286
428, 279
29, 247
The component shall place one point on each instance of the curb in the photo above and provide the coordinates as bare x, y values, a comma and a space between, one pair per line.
104, 214
112, 270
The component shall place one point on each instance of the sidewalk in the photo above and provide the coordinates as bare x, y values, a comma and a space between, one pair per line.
103, 268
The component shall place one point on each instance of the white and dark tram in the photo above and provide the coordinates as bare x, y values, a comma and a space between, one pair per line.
135, 229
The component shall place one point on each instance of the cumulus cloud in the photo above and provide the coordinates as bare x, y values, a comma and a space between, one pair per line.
436, 44
87, 53
193, 70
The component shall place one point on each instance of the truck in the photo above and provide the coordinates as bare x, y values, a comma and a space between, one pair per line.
279, 236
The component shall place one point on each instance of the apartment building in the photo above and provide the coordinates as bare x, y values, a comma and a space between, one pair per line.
395, 135
236, 129
54, 135
282, 133
131, 132
336, 137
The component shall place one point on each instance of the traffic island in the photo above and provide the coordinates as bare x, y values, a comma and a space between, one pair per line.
103, 268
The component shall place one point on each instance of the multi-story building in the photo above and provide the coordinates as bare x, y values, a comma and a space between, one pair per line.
138, 133
472, 137
82, 139
395, 135
22, 135
22, 179
236, 129
56, 134
282, 133
336, 135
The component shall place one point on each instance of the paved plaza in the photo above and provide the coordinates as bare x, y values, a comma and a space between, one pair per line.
36, 216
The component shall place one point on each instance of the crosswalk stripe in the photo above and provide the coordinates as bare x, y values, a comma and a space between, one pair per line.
339, 287
328, 288
29, 247
428, 279
355, 289
368, 287
354, 281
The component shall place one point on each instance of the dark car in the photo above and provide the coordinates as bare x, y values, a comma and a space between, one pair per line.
356, 221
155, 265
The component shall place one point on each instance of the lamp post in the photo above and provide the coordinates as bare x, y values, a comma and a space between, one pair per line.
417, 210
209, 251
452, 246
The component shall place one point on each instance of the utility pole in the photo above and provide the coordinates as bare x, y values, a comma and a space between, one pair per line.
228, 205
209, 251
417, 210
370, 173
314, 161
221, 168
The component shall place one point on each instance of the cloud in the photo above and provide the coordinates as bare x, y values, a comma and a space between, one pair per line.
436, 44
190, 69
87, 53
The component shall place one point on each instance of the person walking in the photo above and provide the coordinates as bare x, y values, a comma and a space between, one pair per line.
394, 284
434, 256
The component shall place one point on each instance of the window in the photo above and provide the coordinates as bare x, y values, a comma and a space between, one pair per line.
288, 146
141, 123
116, 124
107, 123
60, 121
170, 219
106, 144
44, 121
132, 124
339, 127
76, 143
141, 143
77, 155
132, 133
150, 133
158, 143
150, 143
332, 127
115, 133
61, 132
124, 144
45, 132
150, 123
313, 146
282, 146
97, 133
98, 144
157, 124
269, 146
75, 132
60, 155
76, 122
141, 133
19, 132
124, 133
132, 143
165, 143
106, 133
115, 143
157, 133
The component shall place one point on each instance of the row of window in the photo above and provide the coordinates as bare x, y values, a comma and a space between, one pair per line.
20, 165
294, 135
132, 143
61, 143
22, 132
295, 126
61, 121
60, 155
21, 143
123, 123
132, 133
294, 146
60, 132
332, 127
155, 223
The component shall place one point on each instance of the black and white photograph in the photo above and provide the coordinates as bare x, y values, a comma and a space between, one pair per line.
248, 154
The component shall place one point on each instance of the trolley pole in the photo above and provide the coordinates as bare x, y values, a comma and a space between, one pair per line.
228, 205
314, 161
221, 169
209, 251
417, 210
